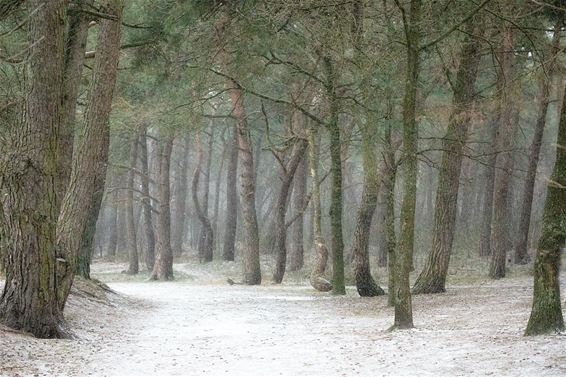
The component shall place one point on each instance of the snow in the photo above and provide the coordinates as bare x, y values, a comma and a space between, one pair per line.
189, 328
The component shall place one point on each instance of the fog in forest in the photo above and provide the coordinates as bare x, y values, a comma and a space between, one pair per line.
266, 187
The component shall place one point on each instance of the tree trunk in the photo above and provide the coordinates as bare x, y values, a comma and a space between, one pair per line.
77, 33
365, 284
487, 207
230, 223
546, 313
317, 279
134, 266
217, 183
205, 244
29, 299
181, 189
296, 252
163, 267
388, 181
113, 223
91, 153
146, 204
501, 213
433, 277
282, 204
521, 254
336, 204
404, 252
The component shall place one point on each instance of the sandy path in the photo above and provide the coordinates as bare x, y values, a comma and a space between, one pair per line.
286, 330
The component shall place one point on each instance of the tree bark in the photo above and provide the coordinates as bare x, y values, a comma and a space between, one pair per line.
134, 265
487, 207
29, 208
521, 254
206, 242
91, 154
433, 276
146, 204
113, 223
231, 219
404, 251
180, 200
546, 314
282, 204
296, 252
501, 213
163, 267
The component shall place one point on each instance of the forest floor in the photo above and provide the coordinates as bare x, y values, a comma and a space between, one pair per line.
194, 327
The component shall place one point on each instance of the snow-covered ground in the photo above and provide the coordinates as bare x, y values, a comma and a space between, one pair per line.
190, 328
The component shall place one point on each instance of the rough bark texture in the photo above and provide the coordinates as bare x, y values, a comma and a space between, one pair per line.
336, 204
134, 265
29, 208
296, 250
317, 279
181, 190
250, 255
433, 276
77, 33
91, 152
205, 243
501, 210
487, 208
146, 204
404, 251
546, 314
163, 267
521, 254
282, 204
230, 223
388, 181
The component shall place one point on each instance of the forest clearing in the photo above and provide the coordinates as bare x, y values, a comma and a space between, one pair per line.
282, 187
200, 326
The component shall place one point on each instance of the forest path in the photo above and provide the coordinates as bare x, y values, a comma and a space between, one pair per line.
285, 330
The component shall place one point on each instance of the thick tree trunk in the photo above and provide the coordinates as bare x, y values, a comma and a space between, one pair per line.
134, 265
296, 252
433, 277
91, 153
388, 181
501, 213
282, 204
230, 223
206, 242
250, 255
404, 251
163, 267
546, 315
317, 279
521, 254
336, 204
146, 204
77, 33
181, 190
29, 209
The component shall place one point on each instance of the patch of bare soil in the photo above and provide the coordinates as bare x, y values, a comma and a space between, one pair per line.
190, 328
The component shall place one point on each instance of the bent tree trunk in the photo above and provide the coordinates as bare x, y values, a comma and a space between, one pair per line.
163, 267
365, 284
134, 266
404, 251
205, 243
146, 204
29, 300
502, 212
282, 204
296, 252
521, 254
546, 314
91, 154
433, 276
231, 218
317, 279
